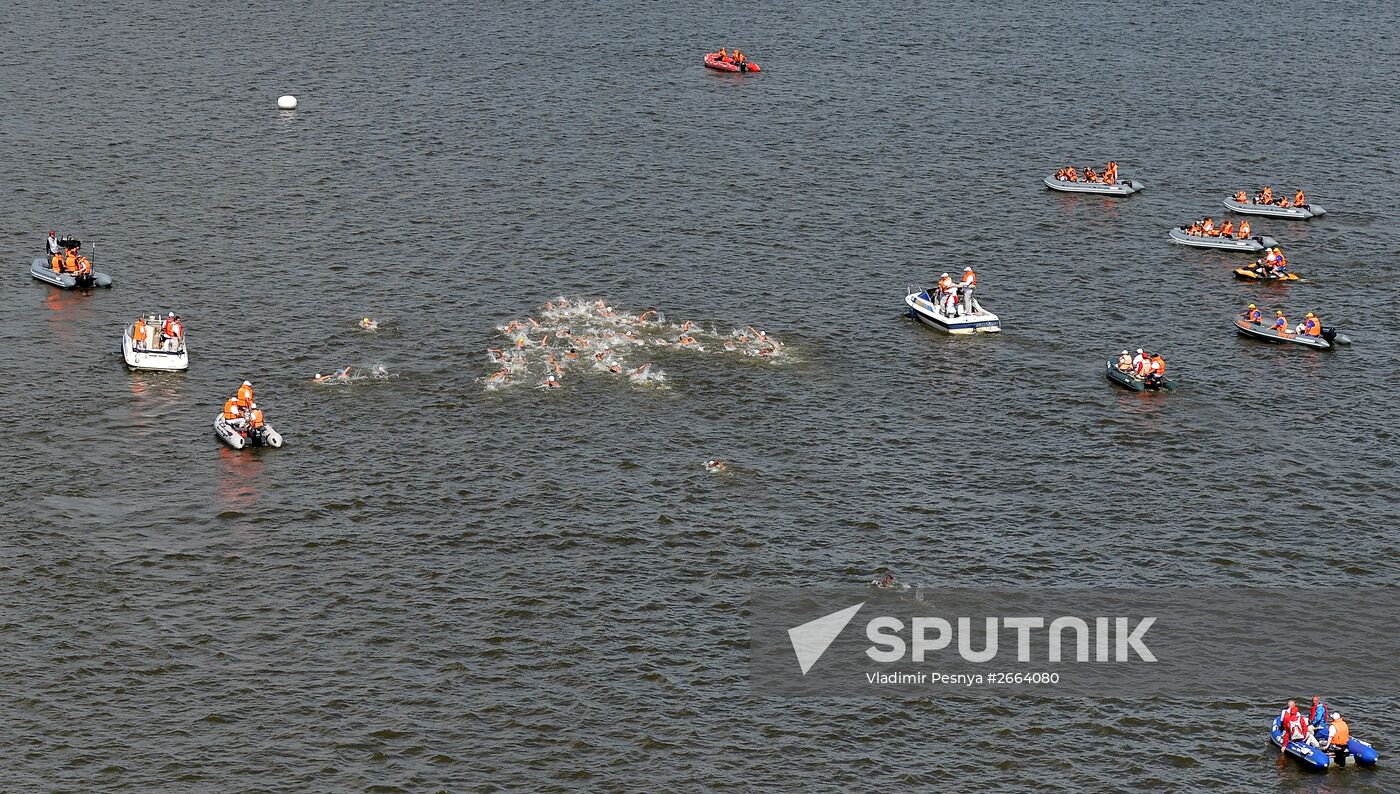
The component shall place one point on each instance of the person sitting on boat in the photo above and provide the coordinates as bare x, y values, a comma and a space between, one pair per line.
1110, 173
1090, 175
723, 54
1244, 231
255, 417
1208, 227
1240, 197
245, 394
1071, 174
1266, 196
1227, 229
50, 244
1253, 315
1125, 361
138, 334
233, 414
1317, 715
1141, 365
1311, 326
1299, 200
1281, 323
965, 288
1157, 371
1060, 175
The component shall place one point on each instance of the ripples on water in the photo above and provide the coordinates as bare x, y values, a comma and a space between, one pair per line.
433, 586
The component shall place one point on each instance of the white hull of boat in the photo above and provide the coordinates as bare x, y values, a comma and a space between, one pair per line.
237, 440
1123, 187
1274, 211
1249, 245
979, 321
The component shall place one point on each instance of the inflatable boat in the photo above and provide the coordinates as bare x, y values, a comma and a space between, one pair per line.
1275, 211
1123, 187
712, 61
266, 437
1310, 757
1329, 339
40, 269
1248, 245
1125, 380
148, 353
1250, 274
923, 309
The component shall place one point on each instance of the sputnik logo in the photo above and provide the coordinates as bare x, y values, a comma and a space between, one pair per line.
811, 639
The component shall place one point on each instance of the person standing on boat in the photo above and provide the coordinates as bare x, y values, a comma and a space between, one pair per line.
965, 288
51, 244
1299, 200
245, 394
172, 333
943, 295
1244, 231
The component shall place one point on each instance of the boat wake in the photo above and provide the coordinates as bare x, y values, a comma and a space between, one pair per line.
569, 338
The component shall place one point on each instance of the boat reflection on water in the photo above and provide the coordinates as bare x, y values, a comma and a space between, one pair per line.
238, 475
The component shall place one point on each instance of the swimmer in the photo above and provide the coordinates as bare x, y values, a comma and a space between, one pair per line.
687, 340
715, 466
498, 377
886, 582
341, 374
379, 372
368, 324
551, 382
687, 325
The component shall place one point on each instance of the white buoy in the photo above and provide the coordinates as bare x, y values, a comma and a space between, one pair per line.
287, 102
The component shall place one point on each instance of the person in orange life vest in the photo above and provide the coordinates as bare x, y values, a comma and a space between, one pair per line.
1240, 197
1227, 229
1071, 174
84, 266
1281, 323
255, 417
233, 414
1060, 175
1270, 258
1253, 315
965, 288
723, 54
1266, 196
1299, 200
138, 334
1244, 231
1311, 325
1158, 368
1208, 227
1110, 174
245, 394
1125, 361
943, 294
1090, 175
56, 262
1338, 734
172, 332
70, 262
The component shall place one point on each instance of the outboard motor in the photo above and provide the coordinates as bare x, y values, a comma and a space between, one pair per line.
1329, 333
70, 243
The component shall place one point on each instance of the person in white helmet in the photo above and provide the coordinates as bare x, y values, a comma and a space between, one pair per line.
943, 297
172, 333
1141, 364
965, 288
1125, 361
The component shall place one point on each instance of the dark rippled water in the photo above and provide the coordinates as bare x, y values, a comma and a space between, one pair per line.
433, 587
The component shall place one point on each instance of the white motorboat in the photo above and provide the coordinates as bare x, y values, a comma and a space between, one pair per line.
263, 437
151, 352
978, 321
1123, 187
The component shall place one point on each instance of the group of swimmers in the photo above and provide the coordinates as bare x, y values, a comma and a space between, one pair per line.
591, 335
1109, 175
1310, 326
1266, 196
1321, 728
1150, 368
172, 334
1206, 227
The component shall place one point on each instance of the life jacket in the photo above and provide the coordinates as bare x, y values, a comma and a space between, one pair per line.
1244, 230
1256, 316
946, 283
255, 418
969, 279
1267, 194
245, 395
1241, 198
1281, 323
1125, 362
176, 330
1159, 366
231, 410
84, 265
56, 262
1340, 734
138, 332
1299, 199
1312, 327
70, 262
1227, 229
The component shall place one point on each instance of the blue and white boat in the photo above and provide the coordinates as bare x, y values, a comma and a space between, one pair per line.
1358, 752
1311, 757
923, 308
